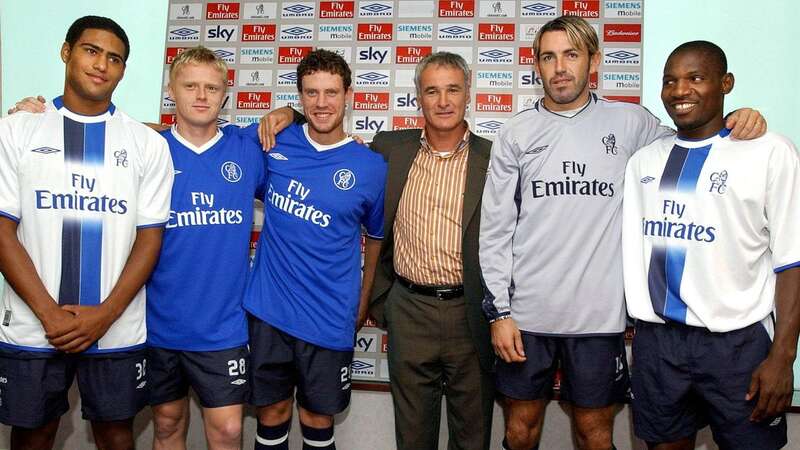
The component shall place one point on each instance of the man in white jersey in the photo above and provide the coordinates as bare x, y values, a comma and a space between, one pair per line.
550, 242
712, 269
83, 199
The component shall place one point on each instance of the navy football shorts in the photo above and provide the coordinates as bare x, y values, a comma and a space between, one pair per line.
34, 385
220, 378
282, 363
685, 378
594, 370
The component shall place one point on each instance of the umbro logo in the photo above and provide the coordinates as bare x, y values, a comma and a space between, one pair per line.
776, 421
278, 156
45, 150
239, 381
142, 385
647, 179
536, 150
177, 172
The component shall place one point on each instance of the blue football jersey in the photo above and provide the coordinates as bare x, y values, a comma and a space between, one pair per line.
306, 276
194, 297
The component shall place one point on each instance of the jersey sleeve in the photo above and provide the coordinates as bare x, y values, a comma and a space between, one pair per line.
155, 186
783, 215
9, 179
498, 222
373, 219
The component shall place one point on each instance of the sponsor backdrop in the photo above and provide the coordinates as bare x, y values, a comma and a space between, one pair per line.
262, 41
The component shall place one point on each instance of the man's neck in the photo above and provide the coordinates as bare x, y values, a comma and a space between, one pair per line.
582, 100
83, 106
445, 140
331, 137
196, 135
703, 132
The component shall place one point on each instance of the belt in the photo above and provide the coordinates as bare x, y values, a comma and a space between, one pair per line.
440, 292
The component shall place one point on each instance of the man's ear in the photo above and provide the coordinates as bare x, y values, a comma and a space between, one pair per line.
727, 83
65, 51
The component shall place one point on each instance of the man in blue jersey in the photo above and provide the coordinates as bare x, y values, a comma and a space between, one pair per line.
712, 269
197, 328
307, 296
84, 195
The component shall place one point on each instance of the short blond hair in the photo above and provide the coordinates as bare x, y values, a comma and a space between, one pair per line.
579, 33
197, 55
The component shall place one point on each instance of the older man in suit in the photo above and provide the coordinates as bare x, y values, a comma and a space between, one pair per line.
427, 291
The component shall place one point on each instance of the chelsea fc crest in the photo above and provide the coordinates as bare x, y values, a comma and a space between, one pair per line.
231, 171
344, 179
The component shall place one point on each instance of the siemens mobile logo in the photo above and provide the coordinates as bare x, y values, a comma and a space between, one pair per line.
183, 34
335, 32
496, 55
495, 79
290, 99
375, 9
256, 55
222, 11
456, 8
258, 33
622, 10
227, 54
297, 10
538, 8
415, 32
372, 78
292, 32
622, 56
292, 55
622, 81
374, 55
336, 10
455, 31
583, 9
224, 33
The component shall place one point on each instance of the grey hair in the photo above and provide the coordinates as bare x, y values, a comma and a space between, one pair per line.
442, 59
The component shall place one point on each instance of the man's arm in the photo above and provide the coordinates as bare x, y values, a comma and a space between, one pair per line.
19, 271
372, 248
498, 222
94, 321
274, 122
773, 379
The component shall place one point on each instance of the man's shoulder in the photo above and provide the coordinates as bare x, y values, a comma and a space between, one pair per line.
397, 136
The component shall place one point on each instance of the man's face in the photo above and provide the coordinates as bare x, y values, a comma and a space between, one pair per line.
198, 91
443, 96
693, 94
564, 70
95, 65
323, 98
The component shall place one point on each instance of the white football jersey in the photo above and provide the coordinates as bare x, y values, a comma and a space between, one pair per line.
79, 187
706, 226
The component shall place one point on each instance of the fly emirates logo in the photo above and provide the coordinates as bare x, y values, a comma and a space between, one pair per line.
204, 213
293, 202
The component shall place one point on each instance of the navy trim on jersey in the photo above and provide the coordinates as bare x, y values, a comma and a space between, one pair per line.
9, 216
152, 225
787, 267
58, 102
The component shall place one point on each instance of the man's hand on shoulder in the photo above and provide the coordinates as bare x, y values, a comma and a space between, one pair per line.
746, 124
29, 104
272, 124
507, 341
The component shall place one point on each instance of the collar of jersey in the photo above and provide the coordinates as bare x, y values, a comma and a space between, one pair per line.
199, 150
323, 147
58, 104
578, 116
696, 143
